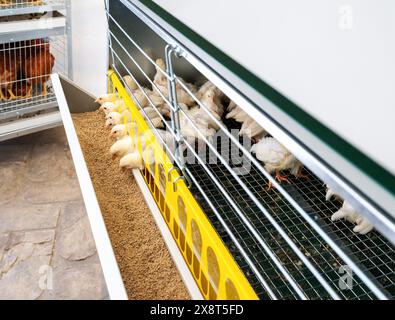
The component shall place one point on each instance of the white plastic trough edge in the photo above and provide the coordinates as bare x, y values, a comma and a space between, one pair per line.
112, 275
175, 253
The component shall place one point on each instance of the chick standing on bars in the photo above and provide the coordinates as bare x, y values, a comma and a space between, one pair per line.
138, 96
160, 81
249, 127
277, 158
347, 212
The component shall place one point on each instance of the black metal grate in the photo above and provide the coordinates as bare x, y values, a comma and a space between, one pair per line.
372, 252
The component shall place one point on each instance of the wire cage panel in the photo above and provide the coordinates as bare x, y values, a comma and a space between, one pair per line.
282, 237
25, 69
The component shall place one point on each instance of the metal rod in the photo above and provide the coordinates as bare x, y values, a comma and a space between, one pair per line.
137, 46
154, 86
174, 111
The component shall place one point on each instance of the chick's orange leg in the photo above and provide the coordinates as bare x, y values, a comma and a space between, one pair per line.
301, 175
280, 178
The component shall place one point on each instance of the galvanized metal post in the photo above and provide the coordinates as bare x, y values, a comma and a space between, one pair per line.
174, 109
110, 51
69, 40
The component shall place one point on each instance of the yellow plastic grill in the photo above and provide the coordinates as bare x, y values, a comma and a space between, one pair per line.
212, 266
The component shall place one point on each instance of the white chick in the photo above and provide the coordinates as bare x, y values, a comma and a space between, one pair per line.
130, 83
108, 107
122, 147
188, 131
252, 130
347, 212
249, 127
150, 112
114, 118
109, 97
363, 226
155, 98
210, 86
236, 113
157, 123
138, 97
121, 130
164, 108
167, 138
131, 160
147, 99
160, 81
276, 158
153, 115
160, 78
216, 108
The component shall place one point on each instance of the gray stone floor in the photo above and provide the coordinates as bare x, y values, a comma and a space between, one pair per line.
46, 245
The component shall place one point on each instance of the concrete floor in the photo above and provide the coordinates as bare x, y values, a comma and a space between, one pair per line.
46, 245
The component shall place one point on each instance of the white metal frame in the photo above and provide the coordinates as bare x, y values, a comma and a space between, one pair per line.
109, 264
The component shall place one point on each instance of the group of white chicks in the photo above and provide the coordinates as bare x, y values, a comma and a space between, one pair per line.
125, 145
271, 152
278, 159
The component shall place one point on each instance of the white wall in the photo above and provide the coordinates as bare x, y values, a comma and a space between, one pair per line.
90, 53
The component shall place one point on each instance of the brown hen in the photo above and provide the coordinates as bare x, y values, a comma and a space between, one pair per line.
10, 64
38, 67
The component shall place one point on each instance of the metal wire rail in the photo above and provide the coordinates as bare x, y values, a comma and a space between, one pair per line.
25, 69
254, 223
374, 253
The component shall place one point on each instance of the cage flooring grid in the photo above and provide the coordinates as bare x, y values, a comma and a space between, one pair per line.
374, 254
25, 105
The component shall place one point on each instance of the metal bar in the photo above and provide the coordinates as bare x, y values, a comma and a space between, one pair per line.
27, 109
174, 110
69, 32
23, 127
136, 45
154, 86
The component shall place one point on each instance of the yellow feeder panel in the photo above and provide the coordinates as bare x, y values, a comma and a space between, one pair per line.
215, 271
